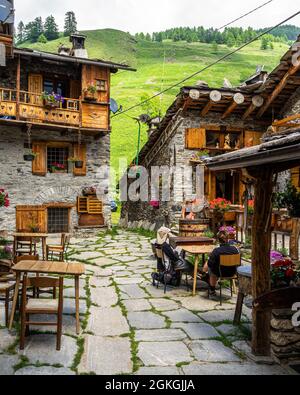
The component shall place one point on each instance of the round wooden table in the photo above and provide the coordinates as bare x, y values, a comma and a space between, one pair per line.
198, 250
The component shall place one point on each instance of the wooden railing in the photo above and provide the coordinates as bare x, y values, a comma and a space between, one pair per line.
31, 107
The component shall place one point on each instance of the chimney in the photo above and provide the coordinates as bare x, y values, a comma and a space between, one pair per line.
78, 46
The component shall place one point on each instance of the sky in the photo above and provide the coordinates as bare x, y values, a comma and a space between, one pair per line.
156, 15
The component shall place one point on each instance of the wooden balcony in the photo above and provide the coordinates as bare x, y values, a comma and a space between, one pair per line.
30, 107
71, 113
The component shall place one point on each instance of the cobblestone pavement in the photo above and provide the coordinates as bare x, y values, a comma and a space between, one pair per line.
131, 327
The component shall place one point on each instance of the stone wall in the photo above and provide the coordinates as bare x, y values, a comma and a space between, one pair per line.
285, 339
24, 188
141, 214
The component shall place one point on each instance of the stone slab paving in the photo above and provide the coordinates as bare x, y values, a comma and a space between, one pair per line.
197, 331
44, 371
137, 305
182, 315
106, 356
164, 353
212, 351
36, 346
165, 329
107, 322
159, 335
145, 320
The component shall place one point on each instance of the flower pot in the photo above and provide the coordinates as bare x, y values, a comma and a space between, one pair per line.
78, 164
51, 105
90, 96
29, 158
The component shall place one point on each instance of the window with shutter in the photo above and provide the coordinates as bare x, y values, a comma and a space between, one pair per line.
39, 165
195, 138
31, 217
35, 88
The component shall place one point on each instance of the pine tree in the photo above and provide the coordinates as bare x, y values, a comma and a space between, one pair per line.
21, 33
70, 23
51, 28
42, 39
264, 44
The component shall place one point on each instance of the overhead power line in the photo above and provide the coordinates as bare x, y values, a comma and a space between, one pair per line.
248, 13
208, 66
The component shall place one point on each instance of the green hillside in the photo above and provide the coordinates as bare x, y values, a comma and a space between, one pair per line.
181, 59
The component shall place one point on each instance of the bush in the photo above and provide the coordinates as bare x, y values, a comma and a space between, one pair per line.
42, 39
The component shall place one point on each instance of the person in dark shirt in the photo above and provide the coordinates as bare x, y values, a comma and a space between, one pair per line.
212, 266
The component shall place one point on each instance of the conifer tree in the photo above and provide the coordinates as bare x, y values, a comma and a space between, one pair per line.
51, 28
70, 23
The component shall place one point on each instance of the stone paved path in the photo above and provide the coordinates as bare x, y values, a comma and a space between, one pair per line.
130, 327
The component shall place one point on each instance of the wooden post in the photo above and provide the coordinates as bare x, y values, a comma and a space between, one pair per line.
294, 239
261, 246
18, 87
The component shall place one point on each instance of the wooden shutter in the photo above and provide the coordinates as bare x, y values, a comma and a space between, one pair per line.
35, 85
195, 138
89, 205
75, 89
252, 138
28, 216
80, 153
295, 177
39, 165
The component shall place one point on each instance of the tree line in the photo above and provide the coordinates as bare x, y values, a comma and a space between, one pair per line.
231, 36
40, 31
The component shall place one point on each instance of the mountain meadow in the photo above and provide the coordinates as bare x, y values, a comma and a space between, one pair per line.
159, 65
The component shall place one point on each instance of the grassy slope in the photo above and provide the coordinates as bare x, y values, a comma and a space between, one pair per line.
182, 59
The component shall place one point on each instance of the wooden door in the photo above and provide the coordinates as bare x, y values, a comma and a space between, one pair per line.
35, 88
295, 177
29, 217
75, 89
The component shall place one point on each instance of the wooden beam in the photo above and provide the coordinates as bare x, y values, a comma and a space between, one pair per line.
18, 87
293, 70
261, 246
207, 108
284, 121
229, 110
249, 111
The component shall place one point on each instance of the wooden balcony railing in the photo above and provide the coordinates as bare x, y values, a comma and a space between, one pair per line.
30, 107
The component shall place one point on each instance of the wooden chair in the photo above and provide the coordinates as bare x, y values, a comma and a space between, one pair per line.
228, 263
25, 246
59, 250
36, 291
41, 306
6, 294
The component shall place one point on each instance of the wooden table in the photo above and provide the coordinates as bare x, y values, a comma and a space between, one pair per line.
48, 267
42, 236
245, 289
198, 250
190, 241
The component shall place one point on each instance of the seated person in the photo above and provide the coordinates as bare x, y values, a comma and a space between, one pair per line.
212, 266
175, 257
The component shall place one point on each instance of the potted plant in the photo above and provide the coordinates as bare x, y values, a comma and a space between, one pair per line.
219, 207
283, 271
4, 200
78, 163
230, 230
34, 227
290, 199
52, 100
58, 168
30, 156
90, 92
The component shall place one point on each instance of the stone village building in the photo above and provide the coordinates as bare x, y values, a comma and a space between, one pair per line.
218, 121
47, 193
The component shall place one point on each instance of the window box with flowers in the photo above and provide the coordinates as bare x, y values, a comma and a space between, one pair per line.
230, 230
91, 92
52, 100
58, 168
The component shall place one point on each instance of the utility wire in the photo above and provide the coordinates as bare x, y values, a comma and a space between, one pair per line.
209, 66
248, 13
